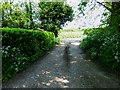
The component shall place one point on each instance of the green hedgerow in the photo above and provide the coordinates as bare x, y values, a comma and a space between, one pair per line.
103, 44
21, 47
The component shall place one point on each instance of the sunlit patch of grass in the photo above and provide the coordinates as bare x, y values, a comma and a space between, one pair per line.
70, 33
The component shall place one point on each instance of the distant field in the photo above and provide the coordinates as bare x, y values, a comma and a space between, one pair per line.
70, 33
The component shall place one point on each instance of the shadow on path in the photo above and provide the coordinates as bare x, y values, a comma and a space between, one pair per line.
65, 66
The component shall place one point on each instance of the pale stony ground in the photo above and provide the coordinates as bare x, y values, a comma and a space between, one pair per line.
65, 66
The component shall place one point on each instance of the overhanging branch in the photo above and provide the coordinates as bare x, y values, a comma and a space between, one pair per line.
104, 6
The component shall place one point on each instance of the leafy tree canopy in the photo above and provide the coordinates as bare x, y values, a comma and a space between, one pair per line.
53, 15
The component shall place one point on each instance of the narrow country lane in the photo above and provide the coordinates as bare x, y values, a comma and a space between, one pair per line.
65, 66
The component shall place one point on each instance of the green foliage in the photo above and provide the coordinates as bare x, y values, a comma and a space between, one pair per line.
57, 40
13, 16
18, 19
22, 47
50, 16
18, 15
103, 44
82, 6
53, 15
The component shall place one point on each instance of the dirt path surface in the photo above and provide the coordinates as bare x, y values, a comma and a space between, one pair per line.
65, 66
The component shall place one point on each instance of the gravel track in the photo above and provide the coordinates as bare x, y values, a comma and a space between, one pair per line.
65, 66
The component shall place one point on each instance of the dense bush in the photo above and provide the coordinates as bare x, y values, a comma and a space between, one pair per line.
103, 44
22, 47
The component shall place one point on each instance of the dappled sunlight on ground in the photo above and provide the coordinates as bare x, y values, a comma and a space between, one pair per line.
65, 66
61, 80
46, 72
73, 62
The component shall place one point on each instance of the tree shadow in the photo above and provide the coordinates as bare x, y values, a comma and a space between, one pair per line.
66, 56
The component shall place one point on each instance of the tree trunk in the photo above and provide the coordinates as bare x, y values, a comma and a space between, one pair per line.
27, 10
2, 16
115, 16
30, 11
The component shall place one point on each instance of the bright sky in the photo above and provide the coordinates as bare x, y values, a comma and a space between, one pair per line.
92, 18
